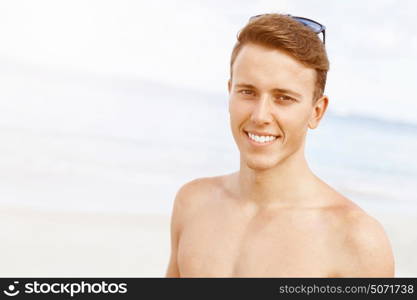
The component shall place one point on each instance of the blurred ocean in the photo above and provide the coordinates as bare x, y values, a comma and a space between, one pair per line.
372, 161
95, 143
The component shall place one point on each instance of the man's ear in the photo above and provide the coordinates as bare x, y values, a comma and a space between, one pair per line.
318, 112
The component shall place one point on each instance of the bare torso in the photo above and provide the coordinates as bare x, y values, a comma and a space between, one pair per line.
221, 237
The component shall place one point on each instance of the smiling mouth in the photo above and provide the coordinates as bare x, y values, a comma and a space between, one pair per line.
261, 139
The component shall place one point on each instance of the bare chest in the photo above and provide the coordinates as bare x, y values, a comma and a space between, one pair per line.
227, 248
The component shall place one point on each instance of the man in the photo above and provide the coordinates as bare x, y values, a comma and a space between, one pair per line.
274, 217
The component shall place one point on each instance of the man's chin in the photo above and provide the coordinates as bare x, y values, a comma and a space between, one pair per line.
261, 164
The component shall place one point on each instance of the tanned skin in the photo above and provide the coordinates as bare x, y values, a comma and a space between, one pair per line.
273, 217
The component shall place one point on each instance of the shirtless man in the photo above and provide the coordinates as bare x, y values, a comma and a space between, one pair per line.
274, 217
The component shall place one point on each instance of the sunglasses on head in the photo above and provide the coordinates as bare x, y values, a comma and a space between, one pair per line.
313, 25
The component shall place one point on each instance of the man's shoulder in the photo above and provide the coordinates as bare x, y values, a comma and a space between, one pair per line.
342, 210
352, 217
195, 193
367, 248
359, 237
365, 234
360, 229
197, 187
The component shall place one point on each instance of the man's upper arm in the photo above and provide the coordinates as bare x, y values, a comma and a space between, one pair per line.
370, 249
182, 207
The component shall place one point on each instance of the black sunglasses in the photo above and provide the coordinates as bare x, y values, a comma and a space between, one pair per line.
313, 25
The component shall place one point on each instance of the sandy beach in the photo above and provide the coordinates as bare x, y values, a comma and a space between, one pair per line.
42, 243
50, 244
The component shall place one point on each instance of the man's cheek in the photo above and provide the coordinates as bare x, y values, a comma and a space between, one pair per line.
295, 131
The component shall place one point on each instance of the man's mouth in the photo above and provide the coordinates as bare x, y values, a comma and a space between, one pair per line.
264, 138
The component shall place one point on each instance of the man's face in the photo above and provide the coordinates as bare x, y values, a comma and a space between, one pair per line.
271, 105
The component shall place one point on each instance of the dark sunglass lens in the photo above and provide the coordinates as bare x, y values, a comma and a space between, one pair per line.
313, 25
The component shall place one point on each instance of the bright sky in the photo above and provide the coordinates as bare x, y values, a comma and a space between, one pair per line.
372, 45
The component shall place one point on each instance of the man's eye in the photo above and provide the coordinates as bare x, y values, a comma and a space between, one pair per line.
284, 98
246, 92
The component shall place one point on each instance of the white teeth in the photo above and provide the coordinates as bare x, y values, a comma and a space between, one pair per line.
262, 138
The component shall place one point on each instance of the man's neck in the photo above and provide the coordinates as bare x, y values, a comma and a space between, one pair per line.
287, 184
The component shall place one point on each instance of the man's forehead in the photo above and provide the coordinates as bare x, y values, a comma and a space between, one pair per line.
258, 65
270, 59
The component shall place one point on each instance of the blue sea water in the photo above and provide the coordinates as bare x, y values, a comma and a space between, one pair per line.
373, 161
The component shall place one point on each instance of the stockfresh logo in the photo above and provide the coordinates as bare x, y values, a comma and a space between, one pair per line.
12, 290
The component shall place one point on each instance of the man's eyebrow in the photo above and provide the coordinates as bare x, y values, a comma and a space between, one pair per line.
279, 90
245, 85
285, 91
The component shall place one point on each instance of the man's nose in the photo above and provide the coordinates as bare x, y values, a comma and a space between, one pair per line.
262, 112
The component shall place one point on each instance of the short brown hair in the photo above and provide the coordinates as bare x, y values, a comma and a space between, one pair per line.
282, 32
